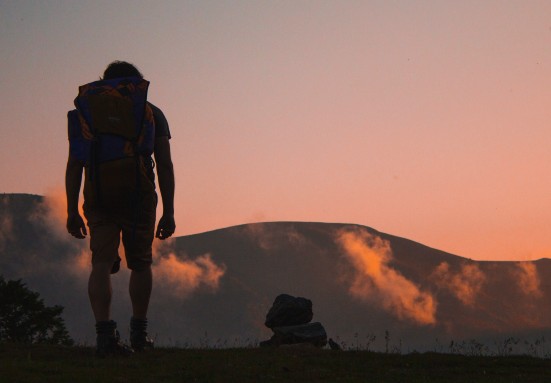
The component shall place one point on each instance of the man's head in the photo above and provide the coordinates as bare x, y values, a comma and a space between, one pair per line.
119, 69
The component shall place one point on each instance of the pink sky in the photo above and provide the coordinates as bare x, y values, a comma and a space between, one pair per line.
424, 119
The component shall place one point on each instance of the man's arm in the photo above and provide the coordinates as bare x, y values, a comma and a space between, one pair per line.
165, 174
73, 180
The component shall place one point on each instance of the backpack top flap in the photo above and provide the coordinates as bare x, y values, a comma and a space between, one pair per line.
114, 106
115, 114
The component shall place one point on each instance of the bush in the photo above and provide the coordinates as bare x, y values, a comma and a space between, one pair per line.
24, 317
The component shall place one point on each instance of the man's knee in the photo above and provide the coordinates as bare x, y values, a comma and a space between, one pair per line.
139, 265
102, 267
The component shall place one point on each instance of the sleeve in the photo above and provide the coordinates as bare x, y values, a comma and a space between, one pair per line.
161, 123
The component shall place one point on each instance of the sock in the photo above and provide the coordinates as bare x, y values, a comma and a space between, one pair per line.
106, 327
138, 326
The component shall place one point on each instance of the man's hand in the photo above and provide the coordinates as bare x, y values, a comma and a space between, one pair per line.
166, 227
76, 226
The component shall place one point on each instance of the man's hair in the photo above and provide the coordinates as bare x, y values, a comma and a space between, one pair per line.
119, 69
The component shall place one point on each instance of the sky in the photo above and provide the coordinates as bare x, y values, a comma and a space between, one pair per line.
428, 120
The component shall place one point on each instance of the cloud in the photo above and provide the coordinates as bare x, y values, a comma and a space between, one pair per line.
374, 279
6, 222
270, 237
51, 213
465, 284
182, 275
80, 264
187, 275
528, 279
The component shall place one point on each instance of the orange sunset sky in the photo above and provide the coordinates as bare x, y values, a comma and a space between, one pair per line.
429, 120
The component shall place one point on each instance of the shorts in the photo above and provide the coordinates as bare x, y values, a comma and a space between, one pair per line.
136, 227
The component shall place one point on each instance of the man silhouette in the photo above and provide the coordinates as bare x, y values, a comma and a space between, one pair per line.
136, 226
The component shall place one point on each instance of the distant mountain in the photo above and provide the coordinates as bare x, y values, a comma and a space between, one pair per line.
216, 287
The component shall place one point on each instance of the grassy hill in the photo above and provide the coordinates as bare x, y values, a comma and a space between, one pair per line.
43, 363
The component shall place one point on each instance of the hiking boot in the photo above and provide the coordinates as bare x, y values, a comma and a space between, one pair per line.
138, 335
108, 341
141, 342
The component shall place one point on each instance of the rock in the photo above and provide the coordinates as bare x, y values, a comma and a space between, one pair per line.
311, 333
289, 311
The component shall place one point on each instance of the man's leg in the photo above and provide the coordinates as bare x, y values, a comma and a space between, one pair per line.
139, 258
100, 293
141, 282
100, 290
104, 243
140, 292
137, 238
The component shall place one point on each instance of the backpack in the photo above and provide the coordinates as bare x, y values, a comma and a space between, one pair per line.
112, 132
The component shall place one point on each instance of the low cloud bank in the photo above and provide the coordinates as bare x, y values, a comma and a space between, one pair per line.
269, 237
464, 284
187, 275
375, 280
528, 279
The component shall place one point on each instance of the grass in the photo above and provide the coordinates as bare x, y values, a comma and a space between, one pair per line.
44, 363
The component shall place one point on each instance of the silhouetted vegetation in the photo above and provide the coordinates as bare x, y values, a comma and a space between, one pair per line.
24, 317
